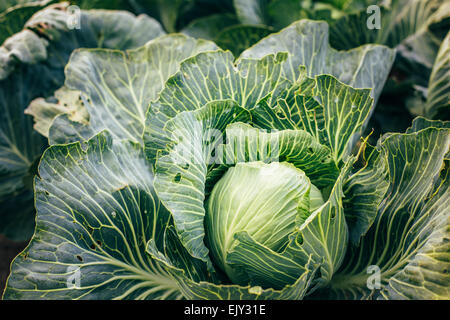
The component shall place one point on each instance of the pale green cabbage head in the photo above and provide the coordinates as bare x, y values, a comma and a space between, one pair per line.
265, 200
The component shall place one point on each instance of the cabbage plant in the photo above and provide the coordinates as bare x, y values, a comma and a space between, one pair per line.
220, 178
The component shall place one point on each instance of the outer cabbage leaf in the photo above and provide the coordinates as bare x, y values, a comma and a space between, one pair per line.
225, 30
65, 130
307, 42
96, 210
421, 123
364, 190
408, 240
25, 47
416, 29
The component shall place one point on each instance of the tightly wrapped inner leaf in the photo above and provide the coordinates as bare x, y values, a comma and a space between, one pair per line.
265, 200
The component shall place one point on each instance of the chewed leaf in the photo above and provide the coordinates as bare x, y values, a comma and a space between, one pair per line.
65, 101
